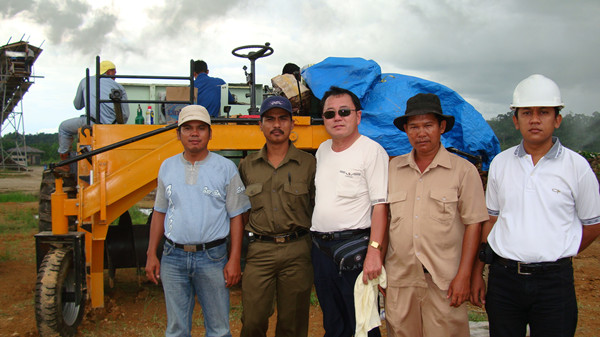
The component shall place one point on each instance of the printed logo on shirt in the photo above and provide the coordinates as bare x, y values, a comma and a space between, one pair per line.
171, 208
240, 189
348, 174
212, 193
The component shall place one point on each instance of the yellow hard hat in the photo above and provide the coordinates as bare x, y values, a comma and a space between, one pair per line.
106, 66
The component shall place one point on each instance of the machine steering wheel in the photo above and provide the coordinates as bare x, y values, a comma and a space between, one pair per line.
263, 51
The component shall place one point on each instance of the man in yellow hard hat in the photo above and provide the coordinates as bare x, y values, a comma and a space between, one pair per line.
68, 128
544, 208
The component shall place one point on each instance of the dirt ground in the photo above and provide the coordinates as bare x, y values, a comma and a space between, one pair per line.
134, 307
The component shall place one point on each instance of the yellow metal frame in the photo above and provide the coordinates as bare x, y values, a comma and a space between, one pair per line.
121, 177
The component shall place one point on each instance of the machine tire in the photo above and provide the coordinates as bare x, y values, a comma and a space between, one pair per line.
45, 206
54, 315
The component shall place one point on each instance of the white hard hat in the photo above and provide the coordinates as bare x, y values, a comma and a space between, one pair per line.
536, 90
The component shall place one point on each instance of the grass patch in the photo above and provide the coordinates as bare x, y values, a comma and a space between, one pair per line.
477, 316
235, 312
17, 197
313, 298
137, 217
18, 221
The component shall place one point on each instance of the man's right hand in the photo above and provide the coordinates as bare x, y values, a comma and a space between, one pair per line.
153, 268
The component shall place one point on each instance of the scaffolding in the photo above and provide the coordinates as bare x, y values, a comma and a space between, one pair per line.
16, 76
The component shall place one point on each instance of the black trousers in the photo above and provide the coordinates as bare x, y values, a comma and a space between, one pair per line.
335, 292
546, 301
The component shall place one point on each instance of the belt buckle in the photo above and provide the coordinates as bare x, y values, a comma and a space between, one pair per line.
189, 248
519, 264
279, 239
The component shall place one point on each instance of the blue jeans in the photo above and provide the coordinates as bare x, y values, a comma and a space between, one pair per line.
335, 292
546, 301
188, 274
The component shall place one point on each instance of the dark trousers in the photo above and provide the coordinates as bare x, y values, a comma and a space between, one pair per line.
335, 292
546, 301
281, 273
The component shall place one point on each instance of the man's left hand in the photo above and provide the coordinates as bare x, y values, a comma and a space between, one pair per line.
372, 265
232, 273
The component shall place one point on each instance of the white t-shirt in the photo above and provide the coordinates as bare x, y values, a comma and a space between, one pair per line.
541, 208
348, 184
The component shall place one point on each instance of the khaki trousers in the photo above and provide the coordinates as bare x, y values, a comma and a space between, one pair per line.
417, 311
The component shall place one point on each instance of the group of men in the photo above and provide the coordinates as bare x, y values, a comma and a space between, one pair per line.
422, 216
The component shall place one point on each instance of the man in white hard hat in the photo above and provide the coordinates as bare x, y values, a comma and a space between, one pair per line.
199, 201
68, 128
544, 208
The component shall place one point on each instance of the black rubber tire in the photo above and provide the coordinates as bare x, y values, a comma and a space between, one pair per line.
56, 277
45, 206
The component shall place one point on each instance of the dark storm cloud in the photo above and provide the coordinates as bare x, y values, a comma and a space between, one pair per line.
66, 22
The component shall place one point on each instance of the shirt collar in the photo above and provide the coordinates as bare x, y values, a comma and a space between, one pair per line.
442, 158
292, 154
186, 162
554, 151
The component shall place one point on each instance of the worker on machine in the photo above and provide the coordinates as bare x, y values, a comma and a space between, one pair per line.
209, 89
68, 128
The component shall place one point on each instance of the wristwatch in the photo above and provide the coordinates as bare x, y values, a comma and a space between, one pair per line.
375, 244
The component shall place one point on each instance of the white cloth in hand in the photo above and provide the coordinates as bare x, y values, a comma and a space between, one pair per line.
366, 306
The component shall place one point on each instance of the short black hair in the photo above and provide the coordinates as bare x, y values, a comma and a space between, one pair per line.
290, 68
200, 67
556, 112
337, 91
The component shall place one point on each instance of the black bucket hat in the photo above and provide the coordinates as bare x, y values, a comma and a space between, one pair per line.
422, 104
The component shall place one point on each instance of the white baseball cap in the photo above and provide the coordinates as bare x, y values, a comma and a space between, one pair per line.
193, 113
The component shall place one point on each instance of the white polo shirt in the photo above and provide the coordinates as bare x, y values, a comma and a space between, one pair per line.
541, 208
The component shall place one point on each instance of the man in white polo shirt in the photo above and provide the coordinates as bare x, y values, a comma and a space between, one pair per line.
544, 208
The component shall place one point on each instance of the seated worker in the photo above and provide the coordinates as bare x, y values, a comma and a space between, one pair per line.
68, 128
209, 89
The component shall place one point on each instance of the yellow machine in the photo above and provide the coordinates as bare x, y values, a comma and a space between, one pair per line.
118, 167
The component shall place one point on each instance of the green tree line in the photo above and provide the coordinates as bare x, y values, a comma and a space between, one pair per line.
46, 142
578, 132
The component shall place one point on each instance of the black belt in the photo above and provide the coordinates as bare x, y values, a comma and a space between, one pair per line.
523, 268
198, 247
283, 238
341, 235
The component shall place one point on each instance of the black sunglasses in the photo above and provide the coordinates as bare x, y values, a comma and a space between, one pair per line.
329, 114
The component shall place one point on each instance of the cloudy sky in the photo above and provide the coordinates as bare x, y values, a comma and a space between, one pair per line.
480, 48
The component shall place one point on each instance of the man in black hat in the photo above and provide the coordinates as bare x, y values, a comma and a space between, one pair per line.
280, 183
437, 206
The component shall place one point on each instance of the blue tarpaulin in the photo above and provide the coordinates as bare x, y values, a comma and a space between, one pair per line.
383, 98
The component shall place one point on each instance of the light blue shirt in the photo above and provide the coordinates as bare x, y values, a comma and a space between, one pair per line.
107, 110
199, 199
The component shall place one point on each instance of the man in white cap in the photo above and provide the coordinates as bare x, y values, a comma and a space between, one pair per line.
544, 208
68, 128
199, 202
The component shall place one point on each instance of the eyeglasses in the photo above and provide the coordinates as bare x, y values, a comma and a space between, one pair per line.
329, 114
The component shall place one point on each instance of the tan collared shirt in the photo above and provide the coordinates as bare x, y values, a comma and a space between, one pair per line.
429, 212
282, 198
